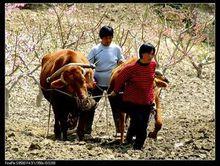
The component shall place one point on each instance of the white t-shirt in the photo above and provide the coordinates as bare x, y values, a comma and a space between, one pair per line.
106, 59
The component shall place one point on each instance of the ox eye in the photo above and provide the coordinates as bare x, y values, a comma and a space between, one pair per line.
83, 71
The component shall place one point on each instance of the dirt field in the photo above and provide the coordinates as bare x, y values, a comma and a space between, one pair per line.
188, 131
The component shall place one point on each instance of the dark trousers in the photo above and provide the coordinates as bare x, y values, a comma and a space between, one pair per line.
95, 92
139, 116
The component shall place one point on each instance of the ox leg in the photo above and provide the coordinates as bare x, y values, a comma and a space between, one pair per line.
114, 102
90, 117
64, 126
72, 120
91, 113
158, 125
126, 121
122, 126
57, 130
81, 125
116, 117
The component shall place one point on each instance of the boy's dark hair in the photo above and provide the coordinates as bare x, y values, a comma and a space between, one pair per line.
146, 48
106, 31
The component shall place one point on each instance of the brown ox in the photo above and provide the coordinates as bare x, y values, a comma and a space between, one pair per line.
65, 78
115, 102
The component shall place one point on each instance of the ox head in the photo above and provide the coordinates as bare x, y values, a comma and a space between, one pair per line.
160, 79
76, 79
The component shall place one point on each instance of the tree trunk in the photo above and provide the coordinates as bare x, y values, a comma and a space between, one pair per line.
199, 71
6, 102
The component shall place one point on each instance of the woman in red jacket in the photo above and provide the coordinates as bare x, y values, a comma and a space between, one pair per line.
137, 79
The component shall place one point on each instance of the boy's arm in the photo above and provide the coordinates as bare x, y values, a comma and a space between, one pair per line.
120, 56
91, 56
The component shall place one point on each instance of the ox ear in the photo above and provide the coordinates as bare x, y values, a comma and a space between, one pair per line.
57, 84
160, 83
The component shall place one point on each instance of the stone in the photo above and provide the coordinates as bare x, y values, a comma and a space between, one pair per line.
11, 135
28, 133
188, 141
176, 145
197, 145
34, 146
89, 146
207, 147
198, 135
15, 149
81, 143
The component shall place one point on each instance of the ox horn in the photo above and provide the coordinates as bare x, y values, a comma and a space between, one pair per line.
69, 64
82, 65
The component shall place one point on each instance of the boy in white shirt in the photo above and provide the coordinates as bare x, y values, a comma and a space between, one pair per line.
106, 56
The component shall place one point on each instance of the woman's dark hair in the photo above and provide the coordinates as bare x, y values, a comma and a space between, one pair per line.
106, 31
146, 48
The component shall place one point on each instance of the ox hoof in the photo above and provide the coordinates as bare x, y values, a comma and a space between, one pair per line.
152, 135
88, 137
65, 139
81, 138
58, 138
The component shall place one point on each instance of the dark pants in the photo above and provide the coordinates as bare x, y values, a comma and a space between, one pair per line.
139, 116
95, 92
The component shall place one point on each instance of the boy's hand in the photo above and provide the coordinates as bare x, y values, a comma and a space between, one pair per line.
112, 94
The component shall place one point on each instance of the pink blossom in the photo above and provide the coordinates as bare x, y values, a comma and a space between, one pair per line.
71, 9
9, 7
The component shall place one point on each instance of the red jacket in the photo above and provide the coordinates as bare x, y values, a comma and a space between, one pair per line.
137, 79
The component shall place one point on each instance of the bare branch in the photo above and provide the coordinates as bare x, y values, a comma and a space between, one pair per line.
35, 69
68, 35
12, 71
158, 46
167, 46
100, 20
35, 80
44, 34
77, 42
142, 32
15, 82
208, 62
125, 39
23, 62
60, 29
24, 22
15, 51
121, 37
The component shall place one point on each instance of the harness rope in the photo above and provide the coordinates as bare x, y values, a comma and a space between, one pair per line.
105, 95
105, 105
71, 96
